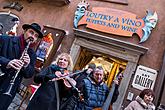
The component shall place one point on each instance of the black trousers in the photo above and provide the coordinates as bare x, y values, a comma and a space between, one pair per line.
5, 101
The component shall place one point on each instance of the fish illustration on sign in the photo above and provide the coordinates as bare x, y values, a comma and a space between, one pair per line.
115, 21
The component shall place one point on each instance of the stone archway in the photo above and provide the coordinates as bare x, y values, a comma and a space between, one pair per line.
113, 47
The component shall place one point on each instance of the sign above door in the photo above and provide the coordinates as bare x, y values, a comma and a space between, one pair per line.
115, 21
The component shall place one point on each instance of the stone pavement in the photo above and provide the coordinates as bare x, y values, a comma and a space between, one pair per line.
16, 102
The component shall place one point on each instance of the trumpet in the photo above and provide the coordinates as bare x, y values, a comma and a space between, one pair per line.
8, 91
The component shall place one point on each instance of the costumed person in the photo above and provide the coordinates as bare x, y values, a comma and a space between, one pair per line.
143, 101
52, 93
94, 90
14, 58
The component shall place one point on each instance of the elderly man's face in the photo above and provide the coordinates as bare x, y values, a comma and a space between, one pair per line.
31, 33
98, 75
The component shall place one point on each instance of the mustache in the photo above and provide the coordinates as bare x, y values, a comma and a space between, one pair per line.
30, 39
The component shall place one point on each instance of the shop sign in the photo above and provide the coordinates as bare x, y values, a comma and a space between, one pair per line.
115, 21
144, 78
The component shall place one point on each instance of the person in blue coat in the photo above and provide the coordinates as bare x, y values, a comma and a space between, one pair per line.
94, 90
84, 74
11, 49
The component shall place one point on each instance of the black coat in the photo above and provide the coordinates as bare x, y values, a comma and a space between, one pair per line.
10, 48
79, 77
45, 97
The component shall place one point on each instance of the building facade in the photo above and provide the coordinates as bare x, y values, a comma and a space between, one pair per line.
81, 42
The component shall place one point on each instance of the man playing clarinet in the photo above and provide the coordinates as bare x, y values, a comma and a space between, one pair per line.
16, 57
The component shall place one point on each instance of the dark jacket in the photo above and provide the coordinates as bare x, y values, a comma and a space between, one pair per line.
79, 77
94, 95
115, 94
10, 48
45, 97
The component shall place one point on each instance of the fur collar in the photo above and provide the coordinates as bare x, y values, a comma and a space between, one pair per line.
149, 106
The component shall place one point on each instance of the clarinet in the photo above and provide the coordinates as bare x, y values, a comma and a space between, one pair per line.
8, 91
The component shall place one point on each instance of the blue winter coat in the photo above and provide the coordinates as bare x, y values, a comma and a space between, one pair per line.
94, 95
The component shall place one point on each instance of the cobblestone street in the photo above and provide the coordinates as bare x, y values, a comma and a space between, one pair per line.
16, 103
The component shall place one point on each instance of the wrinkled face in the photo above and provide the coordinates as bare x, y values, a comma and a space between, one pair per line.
63, 62
98, 75
31, 33
79, 14
148, 98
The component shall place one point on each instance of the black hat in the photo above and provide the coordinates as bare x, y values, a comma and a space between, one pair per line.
92, 66
36, 27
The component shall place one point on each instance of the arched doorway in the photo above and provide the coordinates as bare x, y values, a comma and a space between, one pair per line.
114, 48
111, 65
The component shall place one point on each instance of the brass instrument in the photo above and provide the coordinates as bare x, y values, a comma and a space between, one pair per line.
8, 91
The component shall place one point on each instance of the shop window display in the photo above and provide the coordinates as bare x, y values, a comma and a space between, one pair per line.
44, 49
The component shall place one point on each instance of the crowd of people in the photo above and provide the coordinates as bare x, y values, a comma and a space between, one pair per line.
60, 88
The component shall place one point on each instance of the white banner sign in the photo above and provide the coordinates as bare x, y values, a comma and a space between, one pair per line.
144, 78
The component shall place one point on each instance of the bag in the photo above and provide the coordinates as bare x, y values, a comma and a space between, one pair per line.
69, 103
